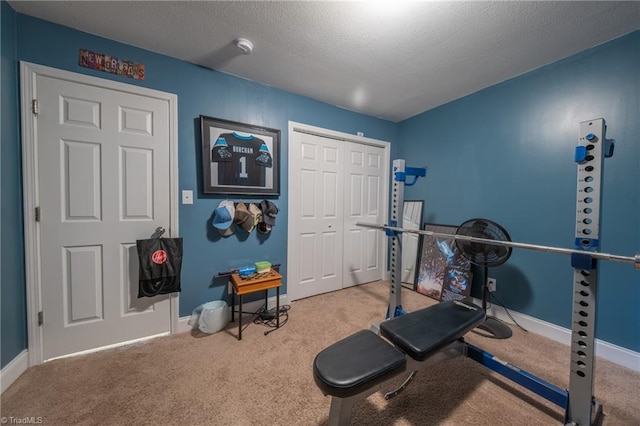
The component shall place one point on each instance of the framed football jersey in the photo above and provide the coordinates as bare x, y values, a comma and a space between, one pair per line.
239, 158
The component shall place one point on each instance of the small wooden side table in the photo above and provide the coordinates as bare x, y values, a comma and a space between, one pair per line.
241, 286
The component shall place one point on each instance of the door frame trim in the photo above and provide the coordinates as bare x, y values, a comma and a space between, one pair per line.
28, 74
346, 137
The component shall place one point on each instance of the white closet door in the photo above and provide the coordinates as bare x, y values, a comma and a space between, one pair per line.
364, 202
316, 200
334, 182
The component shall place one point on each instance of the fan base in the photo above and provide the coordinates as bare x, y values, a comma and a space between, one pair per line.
494, 329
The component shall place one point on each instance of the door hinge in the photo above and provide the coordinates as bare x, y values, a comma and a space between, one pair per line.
37, 214
40, 318
34, 106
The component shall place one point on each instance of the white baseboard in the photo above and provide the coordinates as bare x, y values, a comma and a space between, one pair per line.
183, 322
616, 354
13, 370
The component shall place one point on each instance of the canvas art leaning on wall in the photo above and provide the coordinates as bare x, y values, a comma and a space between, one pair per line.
443, 273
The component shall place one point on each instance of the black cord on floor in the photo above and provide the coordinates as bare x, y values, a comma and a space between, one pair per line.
491, 294
267, 317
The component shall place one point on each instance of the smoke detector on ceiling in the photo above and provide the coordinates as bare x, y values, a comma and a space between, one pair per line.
244, 45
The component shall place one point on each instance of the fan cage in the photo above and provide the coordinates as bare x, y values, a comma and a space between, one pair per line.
483, 254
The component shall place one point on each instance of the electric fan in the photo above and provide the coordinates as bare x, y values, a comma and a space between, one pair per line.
486, 255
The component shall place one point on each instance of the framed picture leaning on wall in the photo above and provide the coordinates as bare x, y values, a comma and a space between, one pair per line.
238, 158
443, 273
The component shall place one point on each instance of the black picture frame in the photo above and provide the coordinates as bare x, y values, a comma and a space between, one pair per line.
239, 158
443, 272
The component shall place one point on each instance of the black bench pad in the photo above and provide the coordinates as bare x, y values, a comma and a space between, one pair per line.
356, 363
424, 332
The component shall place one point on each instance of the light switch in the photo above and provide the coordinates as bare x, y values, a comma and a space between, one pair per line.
187, 196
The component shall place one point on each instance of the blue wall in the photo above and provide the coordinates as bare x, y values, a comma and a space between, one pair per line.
13, 321
206, 92
503, 153
506, 153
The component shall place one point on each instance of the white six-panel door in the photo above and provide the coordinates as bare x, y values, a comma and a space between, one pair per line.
317, 214
333, 184
364, 202
103, 181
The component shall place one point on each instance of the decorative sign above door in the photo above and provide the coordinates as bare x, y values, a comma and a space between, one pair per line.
111, 64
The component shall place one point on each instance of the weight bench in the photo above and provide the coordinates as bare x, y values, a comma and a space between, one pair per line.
355, 367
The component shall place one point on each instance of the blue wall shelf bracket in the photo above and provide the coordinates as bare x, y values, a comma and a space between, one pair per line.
592, 148
414, 172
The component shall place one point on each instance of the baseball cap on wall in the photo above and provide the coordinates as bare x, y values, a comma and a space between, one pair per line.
256, 215
243, 218
269, 212
263, 228
223, 217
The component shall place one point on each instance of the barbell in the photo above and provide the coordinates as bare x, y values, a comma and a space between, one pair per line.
635, 260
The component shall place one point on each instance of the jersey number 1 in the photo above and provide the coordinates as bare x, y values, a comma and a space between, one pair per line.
243, 167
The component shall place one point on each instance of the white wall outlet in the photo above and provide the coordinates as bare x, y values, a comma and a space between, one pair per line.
491, 283
187, 196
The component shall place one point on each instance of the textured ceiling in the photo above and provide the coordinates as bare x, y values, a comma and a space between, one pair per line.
391, 59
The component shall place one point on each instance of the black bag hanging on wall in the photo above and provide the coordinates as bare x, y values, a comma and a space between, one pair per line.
160, 266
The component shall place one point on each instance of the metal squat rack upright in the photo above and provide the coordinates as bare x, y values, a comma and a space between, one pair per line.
400, 175
590, 153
